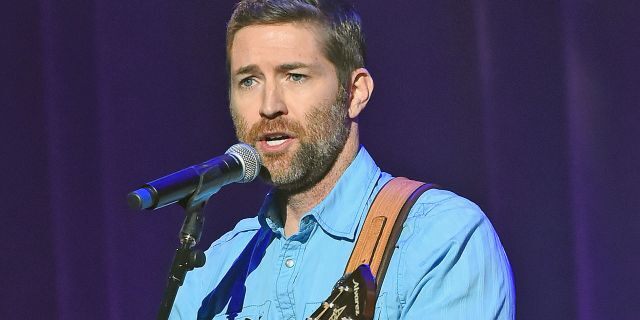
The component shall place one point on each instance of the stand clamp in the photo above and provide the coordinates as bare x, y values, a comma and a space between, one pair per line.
186, 257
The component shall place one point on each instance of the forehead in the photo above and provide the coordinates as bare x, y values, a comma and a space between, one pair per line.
276, 43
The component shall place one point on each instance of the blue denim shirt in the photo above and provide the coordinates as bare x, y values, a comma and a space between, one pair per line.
448, 263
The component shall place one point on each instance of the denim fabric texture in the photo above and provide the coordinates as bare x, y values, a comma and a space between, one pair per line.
448, 262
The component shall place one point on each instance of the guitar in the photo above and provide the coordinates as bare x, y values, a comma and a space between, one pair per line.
353, 298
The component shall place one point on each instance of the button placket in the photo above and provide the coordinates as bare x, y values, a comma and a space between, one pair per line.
285, 299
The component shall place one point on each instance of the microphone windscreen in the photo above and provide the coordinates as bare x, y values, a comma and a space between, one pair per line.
250, 159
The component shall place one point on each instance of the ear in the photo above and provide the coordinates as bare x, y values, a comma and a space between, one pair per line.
361, 89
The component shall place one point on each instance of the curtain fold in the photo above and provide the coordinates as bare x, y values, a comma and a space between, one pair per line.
601, 50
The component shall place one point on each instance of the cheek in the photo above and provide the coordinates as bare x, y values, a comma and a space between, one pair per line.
303, 101
241, 122
244, 108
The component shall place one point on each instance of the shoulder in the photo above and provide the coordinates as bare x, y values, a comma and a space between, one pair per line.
234, 241
223, 252
438, 202
441, 215
226, 249
442, 219
448, 242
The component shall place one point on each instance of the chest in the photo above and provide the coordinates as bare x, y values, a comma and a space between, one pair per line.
294, 276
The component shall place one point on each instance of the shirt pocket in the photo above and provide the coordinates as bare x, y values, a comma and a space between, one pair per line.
254, 312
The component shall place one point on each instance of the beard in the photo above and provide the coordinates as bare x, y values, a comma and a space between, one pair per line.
320, 143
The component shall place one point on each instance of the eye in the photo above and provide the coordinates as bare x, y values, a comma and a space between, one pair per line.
296, 77
247, 82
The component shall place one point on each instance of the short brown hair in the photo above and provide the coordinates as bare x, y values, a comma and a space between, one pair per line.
344, 43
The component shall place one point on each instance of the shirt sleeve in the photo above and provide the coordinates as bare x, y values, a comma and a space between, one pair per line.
453, 265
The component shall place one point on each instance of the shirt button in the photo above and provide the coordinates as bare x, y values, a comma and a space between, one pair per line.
289, 263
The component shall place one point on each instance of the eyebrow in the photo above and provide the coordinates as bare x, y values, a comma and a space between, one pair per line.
252, 68
292, 66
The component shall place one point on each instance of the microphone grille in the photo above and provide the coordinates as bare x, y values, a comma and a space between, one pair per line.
250, 159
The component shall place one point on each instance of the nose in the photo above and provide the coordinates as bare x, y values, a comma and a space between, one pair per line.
273, 104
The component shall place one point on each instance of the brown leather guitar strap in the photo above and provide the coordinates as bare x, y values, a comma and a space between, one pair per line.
383, 225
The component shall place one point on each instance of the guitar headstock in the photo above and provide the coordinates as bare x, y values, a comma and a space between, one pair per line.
352, 298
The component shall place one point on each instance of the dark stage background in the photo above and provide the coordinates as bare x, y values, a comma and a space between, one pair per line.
530, 108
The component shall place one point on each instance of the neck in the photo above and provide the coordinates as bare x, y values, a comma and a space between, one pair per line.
299, 203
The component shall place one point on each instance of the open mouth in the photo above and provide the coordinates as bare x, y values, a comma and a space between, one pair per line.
275, 139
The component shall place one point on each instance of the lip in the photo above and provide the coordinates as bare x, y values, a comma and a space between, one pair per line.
262, 142
262, 145
268, 135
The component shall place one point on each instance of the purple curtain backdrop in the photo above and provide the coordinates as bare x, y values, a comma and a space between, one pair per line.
531, 109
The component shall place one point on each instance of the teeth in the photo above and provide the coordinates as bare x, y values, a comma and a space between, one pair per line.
272, 143
276, 138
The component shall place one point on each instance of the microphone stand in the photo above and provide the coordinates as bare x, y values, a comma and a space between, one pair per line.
186, 257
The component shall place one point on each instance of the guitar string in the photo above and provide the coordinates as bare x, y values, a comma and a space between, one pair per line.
328, 306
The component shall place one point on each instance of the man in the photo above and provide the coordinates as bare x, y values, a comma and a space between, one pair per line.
297, 87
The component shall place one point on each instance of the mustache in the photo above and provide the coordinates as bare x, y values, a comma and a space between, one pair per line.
279, 125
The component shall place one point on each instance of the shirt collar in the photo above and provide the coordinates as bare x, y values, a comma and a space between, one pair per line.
341, 211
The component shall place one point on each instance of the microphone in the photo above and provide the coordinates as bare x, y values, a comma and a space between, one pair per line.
241, 163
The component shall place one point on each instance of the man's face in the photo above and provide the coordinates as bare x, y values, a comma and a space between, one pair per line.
287, 102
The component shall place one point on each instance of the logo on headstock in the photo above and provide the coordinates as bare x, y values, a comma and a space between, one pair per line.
336, 313
356, 296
